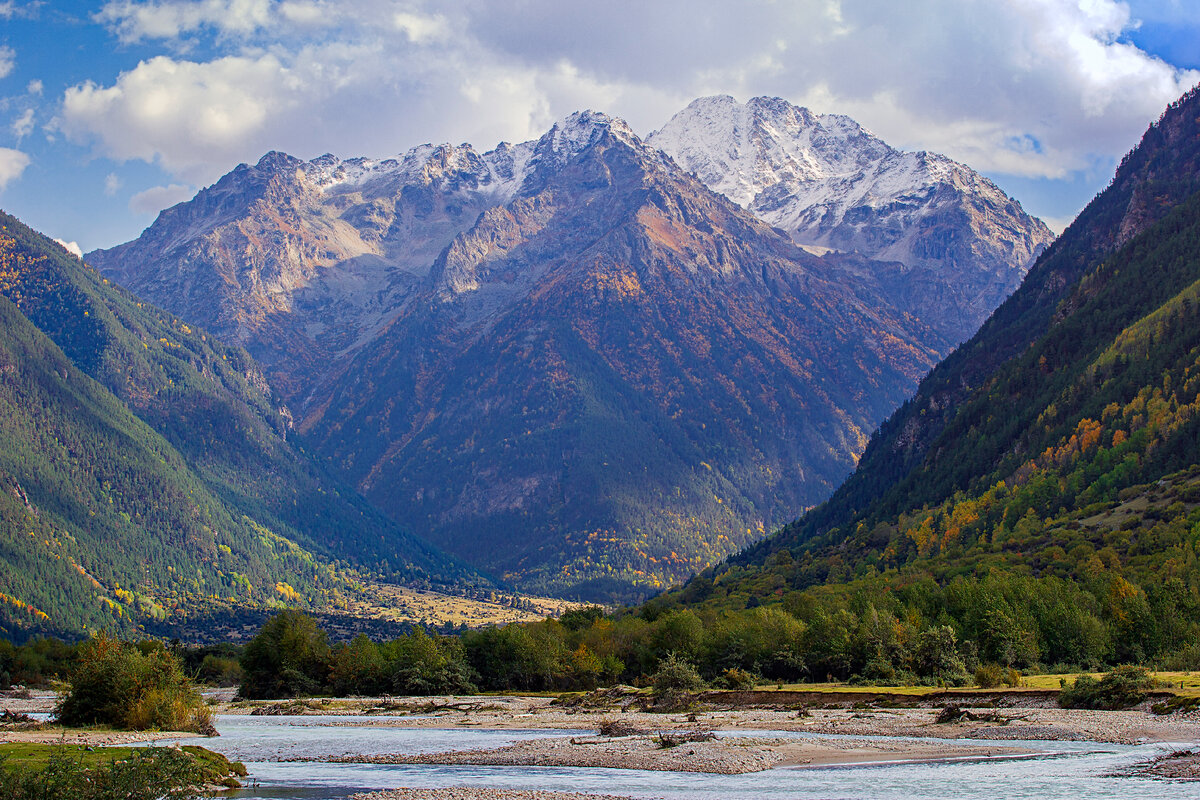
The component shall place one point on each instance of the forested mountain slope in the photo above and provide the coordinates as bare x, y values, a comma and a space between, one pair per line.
1042, 489
147, 467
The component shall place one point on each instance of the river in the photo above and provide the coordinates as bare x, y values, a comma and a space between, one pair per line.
1063, 771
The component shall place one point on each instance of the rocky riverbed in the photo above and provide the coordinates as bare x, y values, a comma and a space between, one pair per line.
1013, 716
692, 752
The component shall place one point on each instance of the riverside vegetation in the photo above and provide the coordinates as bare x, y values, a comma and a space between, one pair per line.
55, 772
123, 686
676, 652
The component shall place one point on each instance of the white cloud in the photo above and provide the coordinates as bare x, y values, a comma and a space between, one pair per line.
23, 125
1027, 87
155, 199
34, 87
71, 247
187, 115
8, 60
169, 19
112, 183
420, 28
305, 12
12, 164
1037, 88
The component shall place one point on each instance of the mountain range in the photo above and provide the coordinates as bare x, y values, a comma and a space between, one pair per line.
571, 361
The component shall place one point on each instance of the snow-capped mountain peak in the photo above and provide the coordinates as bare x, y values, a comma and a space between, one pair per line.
741, 150
832, 184
581, 129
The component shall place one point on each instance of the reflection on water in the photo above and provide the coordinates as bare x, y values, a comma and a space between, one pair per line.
1067, 771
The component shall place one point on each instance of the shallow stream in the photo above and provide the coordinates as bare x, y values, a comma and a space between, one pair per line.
1064, 771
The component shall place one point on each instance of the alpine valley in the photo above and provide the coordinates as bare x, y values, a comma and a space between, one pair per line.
589, 364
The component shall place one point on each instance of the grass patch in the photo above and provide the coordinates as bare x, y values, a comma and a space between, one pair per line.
44, 771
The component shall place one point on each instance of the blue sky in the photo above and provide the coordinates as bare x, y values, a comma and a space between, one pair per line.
110, 111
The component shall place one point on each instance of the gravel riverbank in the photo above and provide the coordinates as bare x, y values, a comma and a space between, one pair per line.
722, 756
1013, 717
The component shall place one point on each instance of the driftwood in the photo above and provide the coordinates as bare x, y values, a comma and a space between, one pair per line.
953, 713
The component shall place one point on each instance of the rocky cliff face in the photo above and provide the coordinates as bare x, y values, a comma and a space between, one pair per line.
303, 261
568, 360
832, 184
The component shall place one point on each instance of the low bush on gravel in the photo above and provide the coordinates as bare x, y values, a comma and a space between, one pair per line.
1121, 688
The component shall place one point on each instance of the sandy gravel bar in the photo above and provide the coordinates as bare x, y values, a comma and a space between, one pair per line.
480, 794
1020, 718
1044, 724
723, 756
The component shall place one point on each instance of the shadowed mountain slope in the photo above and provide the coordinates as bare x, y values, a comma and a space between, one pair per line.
152, 461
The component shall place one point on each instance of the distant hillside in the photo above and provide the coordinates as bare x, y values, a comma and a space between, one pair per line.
1045, 475
145, 467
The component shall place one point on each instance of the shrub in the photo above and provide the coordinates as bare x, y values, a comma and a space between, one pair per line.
735, 678
1121, 688
1185, 659
988, 676
115, 683
151, 773
674, 682
148, 774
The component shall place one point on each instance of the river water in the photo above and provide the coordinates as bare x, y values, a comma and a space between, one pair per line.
1062, 771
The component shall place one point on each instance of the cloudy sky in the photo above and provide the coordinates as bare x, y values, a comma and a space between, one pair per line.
112, 111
